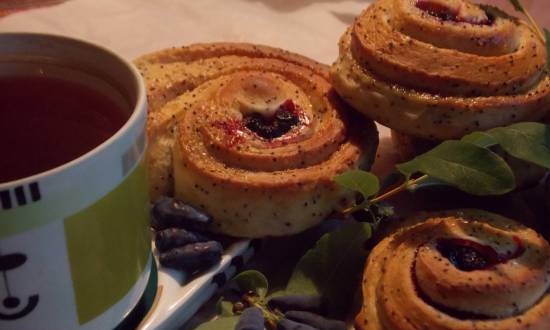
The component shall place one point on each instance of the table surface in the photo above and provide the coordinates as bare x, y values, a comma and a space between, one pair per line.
135, 27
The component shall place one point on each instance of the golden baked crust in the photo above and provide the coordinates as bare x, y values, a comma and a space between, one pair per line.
179, 71
203, 150
409, 283
437, 79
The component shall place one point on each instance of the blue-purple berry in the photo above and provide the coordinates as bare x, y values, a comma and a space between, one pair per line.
252, 318
168, 212
170, 238
192, 257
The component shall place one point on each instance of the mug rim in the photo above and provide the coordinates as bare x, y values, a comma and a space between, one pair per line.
138, 108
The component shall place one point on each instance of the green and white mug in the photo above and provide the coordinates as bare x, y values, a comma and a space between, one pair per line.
75, 240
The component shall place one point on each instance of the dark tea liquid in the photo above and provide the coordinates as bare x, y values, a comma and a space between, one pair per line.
46, 122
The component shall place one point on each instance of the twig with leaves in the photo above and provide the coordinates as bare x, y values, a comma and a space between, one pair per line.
469, 164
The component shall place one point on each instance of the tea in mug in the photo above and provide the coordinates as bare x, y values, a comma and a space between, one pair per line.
46, 122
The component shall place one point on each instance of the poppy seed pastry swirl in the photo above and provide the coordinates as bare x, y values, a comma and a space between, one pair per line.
460, 269
438, 69
252, 135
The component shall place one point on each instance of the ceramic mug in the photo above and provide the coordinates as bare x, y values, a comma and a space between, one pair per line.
75, 240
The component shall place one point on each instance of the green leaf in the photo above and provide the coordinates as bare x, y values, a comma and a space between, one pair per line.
517, 5
526, 141
547, 43
470, 168
333, 267
363, 182
221, 323
252, 280
481, 139
224, 308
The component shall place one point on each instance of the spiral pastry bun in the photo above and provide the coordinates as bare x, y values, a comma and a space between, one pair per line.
438, 69
252, 135
462, 269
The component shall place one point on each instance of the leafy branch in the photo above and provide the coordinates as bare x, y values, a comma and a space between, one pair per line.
469, 164
322, 282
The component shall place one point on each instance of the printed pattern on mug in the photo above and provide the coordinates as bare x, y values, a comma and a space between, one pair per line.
20, 196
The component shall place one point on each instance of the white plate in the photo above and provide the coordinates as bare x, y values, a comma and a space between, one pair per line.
178, 299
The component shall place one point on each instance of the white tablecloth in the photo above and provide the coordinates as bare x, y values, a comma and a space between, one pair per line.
134, 27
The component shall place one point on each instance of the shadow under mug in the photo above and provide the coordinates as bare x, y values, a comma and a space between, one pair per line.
75, 248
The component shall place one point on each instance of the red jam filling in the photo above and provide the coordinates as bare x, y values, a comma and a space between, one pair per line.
468, 255
275, 126
447, 14
284, 119
232, 131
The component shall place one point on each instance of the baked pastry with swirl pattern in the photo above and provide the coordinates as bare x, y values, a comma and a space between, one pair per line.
252, 135
438, 69
463, 269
